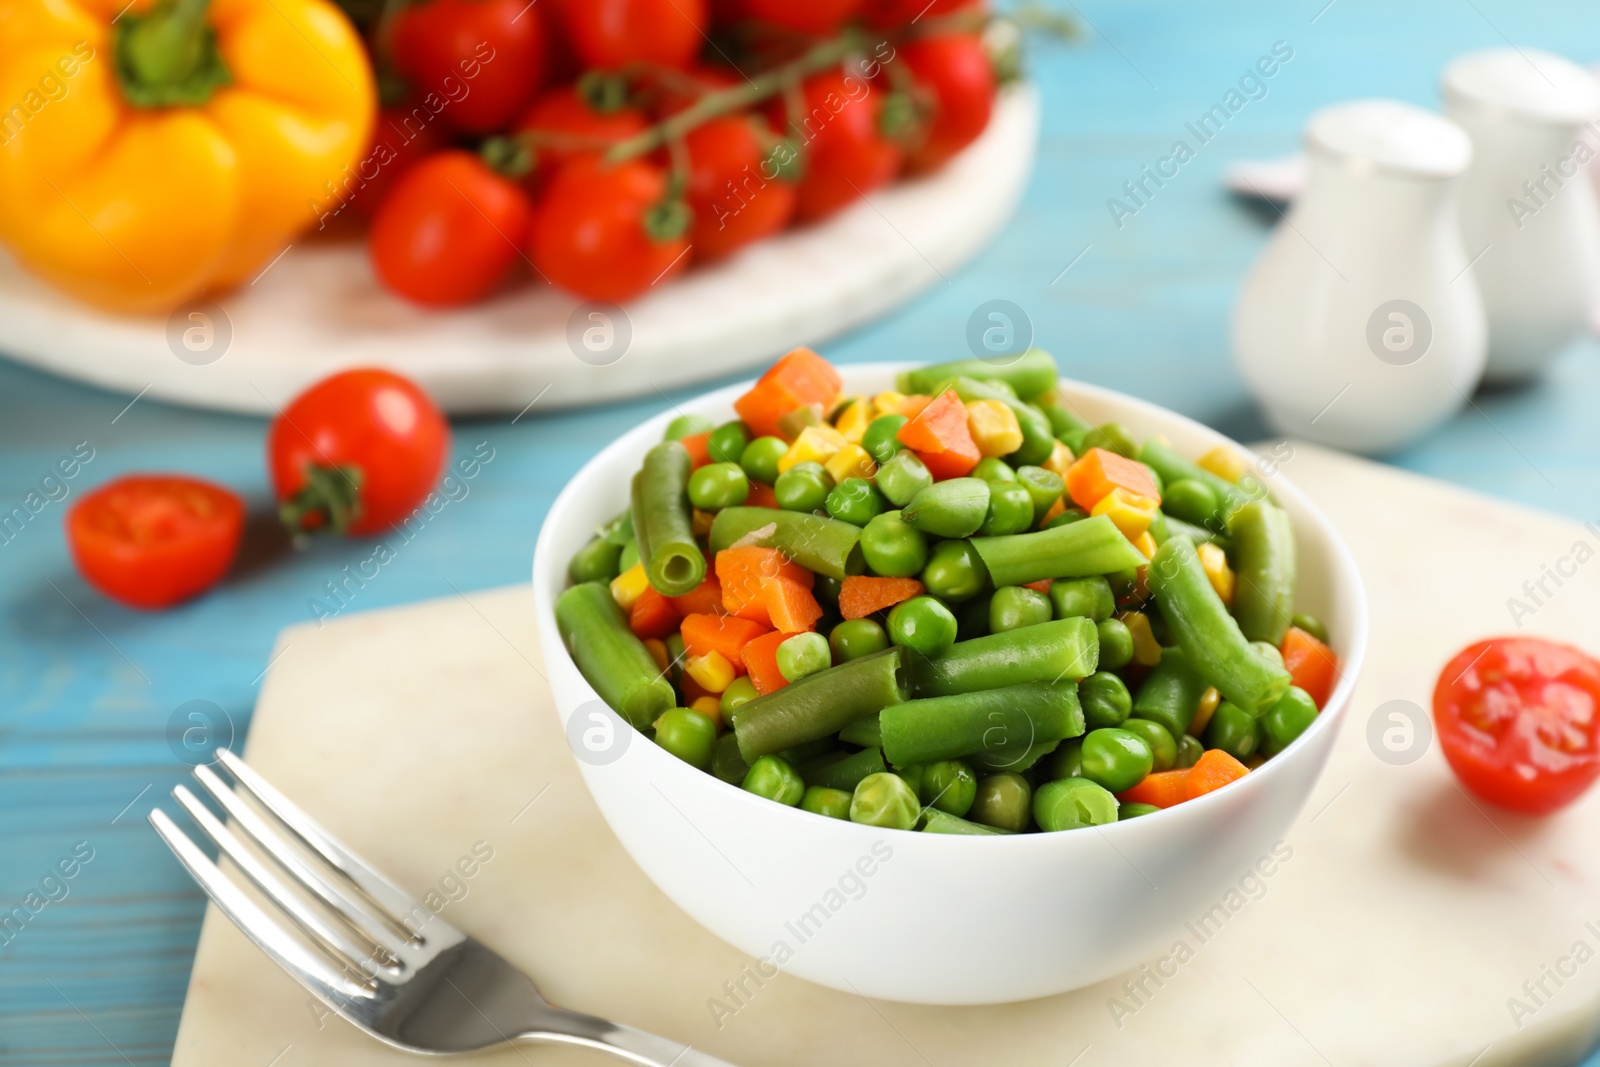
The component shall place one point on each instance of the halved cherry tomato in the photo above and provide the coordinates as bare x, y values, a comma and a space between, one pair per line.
404, 136
1519, 721
151, 540
738, 187
449, 231
610, 34
846, 151
566, 113
609, 232
956, 81
484, 58
892, 14
820, 18
356, 453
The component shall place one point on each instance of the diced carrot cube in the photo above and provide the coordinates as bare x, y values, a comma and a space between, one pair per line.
1162, 788
1311, 664
1041, 586
652, 615
800, 378
791, 607
860, 595
913, 405
703, 599
761, 496
1214, 770
744, 574
954, 462
940, 426
699, 447
1098, 471
760, 659
723, 634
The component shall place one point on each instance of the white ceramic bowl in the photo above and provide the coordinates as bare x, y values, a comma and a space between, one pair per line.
928, 918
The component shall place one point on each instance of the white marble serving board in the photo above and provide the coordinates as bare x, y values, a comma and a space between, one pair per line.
1394, 933
319, 308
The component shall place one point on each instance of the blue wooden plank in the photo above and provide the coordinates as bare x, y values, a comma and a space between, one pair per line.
87, 689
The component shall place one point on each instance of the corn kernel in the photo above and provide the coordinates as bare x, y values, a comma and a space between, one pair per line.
629, 586
1224, 462
1146, 544
994, 427
1061, 458
1215, 563
1129, 512
1202, 715
1146, 649
658, 652
711, 671
851, 461
816, 444
702, 523
710, 707
888, 402
855, 419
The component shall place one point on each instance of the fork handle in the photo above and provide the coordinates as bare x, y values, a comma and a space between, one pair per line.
638, 1047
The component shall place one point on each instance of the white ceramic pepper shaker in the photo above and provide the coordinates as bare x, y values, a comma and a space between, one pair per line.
1360, 326
1526, 209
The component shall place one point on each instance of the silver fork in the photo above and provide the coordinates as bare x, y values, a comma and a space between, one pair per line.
383, 961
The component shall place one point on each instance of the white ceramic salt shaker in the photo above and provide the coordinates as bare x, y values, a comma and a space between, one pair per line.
1526, 209
1360, 326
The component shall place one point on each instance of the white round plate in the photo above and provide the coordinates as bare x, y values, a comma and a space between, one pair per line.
319, 309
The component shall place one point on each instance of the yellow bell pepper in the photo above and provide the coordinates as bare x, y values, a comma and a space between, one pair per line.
174, 147
851, 461
816, 444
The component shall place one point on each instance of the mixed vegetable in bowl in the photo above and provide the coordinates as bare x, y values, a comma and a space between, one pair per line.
955, 607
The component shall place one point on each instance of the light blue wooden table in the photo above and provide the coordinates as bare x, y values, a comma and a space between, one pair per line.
87, 689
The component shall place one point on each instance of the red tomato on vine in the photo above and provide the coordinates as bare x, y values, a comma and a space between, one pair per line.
566, 112
820, 18
485, 58
893, 14
846, 151
611, 34
956, 81
740, 187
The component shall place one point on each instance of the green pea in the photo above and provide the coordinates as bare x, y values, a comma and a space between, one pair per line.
1163, 749
727, 762
1233, 730
972, 617
1087, 597
1065, 762
1116, 644
1131, 810
1113, 437
803, 487
922, 624
856, 501
1311, 625
1155, 478
1189, 752
1287, 720
834, 803
955, 572
1072, 803
892, 548
1013, 607
760, 459
1190, 500
688, 735
955, 507
596, 561
773, 778
687, 426
1003, 801
948, 785
1123, 584
911, 774
885, 800
1267, 652
1116, 759
880, 441
855, 638
902, 477
803, 654
718, 485
740, 691
1105, 699
826, 590
1066, 518
1045, 487
630, 556
727, 442
994, 469
1010, 510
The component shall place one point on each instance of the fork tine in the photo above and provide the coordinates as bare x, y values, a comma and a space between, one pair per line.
335, 989
357, 956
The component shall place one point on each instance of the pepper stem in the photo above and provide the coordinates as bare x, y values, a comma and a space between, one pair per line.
169, 57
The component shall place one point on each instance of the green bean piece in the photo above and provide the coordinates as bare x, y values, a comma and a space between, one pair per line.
1171, 692
994, 469
922, 624
949, 786
677, 656
1176, 527
954, 572
728, 442
718, 485
1189, 752
893, 549
595, 562
1093, 546
1311, 625
1264, 560
1105, 699
816, 542
1018, 762
774, 779
1015, 606
726, 762
1038, 442
1113, 437
1044, 487
1029, 373
630, 556
972, 617
912, 773
611, 659
687, 426
1131, 810
619, 531
1233, 730
739, 693
885, 800
1088, 597
1163, 748
955, 507
820, 800
819, 705
1207, 633
856, 501
1065, 762
1116, 759
939, 822
1066, 518
1116, 644
1071, 804
1174, 467
1287, 720
688, 735
803, 487
864, 731
1193, 501
881, 439
662, 521
1063, 650
1004, 801
1268, 652
843, 770
760, 458
807, 751
1002, 723
1010, 510
1065, 423
854, 638
802, 655
902, 477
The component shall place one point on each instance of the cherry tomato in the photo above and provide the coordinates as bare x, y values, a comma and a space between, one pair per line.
402, 138
356, 453
566, 111
151, 540
483, 58
821, 18
892, 14
610, 34
1519, 722
608, 232
449, 230
738, 186
956, 79
846, 153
